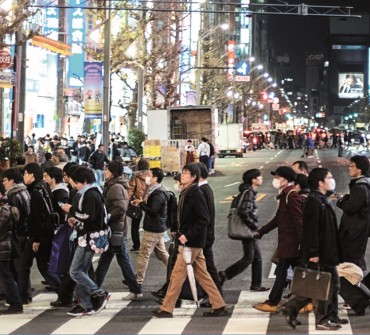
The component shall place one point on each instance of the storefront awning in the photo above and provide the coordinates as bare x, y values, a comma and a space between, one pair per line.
52, 45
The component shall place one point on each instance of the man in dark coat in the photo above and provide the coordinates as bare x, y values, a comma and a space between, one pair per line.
288, 220
97, 160
320, 245
355, 221
193, 219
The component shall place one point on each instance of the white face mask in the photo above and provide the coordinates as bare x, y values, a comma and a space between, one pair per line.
332, 184
276, 183
177, 187
147, 180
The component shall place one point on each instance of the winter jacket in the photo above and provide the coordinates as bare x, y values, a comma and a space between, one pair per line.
83, 153
247, 209
288, 220
155, 211
116, 202
193, 216
137, 185
97, 160
90, 211
320, 231
6, 226
209, 198
39, 226
355, 222
30, 158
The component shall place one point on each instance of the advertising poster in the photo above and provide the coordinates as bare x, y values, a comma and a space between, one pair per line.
93, 90
351, 85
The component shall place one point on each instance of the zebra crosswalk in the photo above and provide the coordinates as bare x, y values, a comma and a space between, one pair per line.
134, 317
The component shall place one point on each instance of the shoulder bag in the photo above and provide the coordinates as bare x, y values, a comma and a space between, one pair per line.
237, 229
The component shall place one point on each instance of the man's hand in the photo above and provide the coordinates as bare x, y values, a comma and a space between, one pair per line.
35, 246
136, 202
183, 239
256, 235
66, 207
71, 222
314, 259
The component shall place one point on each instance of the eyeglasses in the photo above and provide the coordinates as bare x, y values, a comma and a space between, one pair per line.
185, 172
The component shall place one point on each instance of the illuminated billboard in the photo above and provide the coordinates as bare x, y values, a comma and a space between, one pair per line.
351, 85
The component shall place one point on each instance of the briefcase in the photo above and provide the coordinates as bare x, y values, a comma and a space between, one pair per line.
309, 283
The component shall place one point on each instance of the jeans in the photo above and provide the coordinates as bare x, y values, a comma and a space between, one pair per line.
98, 176
252, 255
85, 287
280, 280
135, 235
124, 263
42, 260
11, 292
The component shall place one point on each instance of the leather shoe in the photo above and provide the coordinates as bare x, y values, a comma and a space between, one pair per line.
60, 304
160, 302
160, 313
291, 318
158, 294
306, 309
338, 320
265, 307
217, 312
259, 289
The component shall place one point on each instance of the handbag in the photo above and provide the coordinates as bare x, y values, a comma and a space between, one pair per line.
237, 229
309, 283
134, 212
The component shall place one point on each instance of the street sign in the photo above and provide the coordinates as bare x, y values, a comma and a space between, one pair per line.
5, 59
242, 71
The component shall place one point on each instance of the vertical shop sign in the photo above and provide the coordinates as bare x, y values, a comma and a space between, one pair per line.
93, 90
230, 59
51, 26
77, 26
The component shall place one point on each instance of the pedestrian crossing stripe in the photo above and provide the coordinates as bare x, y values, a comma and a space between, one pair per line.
230, 198
134, 317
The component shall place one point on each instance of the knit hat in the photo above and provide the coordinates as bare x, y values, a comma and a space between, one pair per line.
285, 172
250, 174
362, 163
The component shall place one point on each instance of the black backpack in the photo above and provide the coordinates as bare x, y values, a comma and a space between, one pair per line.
52, 218
171, 211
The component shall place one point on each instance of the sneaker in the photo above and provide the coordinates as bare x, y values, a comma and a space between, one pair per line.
217, 312
80, 311
60, 304
132, 296
327, 325
160, 313
100, 300
266, 307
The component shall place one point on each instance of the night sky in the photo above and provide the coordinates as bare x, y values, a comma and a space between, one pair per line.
300, 36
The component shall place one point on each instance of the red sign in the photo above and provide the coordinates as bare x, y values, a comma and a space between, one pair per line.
5, 59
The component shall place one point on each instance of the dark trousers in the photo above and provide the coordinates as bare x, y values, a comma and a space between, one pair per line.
135, 235
324, 310
11, 291
211, 267
280, 280
42, 260
204, 159
252, 255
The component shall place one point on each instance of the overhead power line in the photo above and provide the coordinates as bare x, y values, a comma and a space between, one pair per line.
253, 9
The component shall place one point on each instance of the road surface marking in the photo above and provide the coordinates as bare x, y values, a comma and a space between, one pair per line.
238, 182
260, 197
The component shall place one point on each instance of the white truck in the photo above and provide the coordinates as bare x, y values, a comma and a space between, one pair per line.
229, 141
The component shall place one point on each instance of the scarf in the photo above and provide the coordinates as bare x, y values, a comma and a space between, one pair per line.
180, 206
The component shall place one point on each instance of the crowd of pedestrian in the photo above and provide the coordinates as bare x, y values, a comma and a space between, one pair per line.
61, 215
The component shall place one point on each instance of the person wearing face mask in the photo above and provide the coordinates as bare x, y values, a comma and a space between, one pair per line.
139, 189
288, 220
155, 223
320, 224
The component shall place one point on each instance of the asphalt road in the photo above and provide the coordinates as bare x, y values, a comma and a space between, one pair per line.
133, 318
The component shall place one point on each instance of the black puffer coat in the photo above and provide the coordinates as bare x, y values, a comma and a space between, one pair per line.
355, 222
6, 226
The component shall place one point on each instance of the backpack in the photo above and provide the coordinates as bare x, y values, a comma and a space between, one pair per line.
171, 211
52, 217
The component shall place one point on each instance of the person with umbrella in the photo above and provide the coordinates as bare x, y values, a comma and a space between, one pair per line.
192, 219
